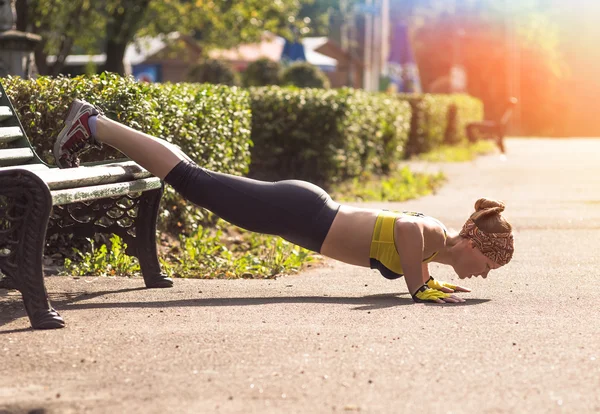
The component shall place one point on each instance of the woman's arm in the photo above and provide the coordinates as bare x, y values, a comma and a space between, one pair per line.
410, 244
438, 236
425, 272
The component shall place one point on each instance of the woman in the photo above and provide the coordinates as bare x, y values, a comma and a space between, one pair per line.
397, 244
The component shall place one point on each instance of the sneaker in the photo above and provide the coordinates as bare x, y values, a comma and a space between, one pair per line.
75, 138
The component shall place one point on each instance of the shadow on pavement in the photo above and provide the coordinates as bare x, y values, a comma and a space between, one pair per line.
13, 309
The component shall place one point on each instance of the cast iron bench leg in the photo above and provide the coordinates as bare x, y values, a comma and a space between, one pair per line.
26, 237
146, 240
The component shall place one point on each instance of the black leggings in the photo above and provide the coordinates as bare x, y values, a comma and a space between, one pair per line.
298, 211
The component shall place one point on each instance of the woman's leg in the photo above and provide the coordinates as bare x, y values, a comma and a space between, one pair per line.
156, 155
295, 210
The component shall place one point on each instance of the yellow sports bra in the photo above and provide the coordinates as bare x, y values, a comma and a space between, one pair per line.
384, 255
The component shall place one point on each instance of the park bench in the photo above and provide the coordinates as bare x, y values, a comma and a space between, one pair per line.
38, 201
495, 130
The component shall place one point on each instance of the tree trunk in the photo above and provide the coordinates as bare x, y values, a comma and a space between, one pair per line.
40, 59
22, 15
123, 24
115, 53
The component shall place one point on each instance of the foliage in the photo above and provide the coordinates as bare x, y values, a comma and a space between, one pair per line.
213, 71
230, 252
61, 24
210, 123
304, 75
107, 260
220, 252
262, 72
434, 122
109, 26
428, 123
225, 24
459, 153
463, 110
399, 185
324, 136
324, 17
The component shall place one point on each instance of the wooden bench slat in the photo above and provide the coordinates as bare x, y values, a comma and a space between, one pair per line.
9, 134
15, 156
5, 113
28, 167
75, 195
83, 176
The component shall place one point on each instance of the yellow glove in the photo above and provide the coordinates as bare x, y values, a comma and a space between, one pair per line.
438, 284
426, 294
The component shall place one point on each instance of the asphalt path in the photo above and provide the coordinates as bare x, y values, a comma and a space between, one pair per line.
338, 338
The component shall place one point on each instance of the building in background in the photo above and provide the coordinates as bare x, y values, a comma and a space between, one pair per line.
152, 59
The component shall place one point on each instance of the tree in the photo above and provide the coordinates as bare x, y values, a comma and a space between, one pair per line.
224, 23
316, 15
60, 23
84, 24
125, 17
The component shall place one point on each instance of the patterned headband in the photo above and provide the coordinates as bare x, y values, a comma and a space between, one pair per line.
498, 247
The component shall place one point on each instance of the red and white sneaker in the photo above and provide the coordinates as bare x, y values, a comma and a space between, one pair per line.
75, 138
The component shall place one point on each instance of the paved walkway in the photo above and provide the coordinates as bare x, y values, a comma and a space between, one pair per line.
343, 339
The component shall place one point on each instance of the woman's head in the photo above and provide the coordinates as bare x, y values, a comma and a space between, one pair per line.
486, 240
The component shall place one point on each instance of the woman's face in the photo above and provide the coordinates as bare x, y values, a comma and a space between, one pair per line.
469, 261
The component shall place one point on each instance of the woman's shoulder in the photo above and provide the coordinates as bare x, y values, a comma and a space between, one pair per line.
434, 231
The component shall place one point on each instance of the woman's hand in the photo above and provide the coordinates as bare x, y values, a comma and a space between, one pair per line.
425, 294
445, 286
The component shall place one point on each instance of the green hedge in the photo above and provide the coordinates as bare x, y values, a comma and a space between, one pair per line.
325, 136
439, 119
304, 75
463, 110
211, 123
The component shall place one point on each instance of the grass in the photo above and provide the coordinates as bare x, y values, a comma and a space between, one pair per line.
459, 153
104, 260
224, 251
230, 252
401, 185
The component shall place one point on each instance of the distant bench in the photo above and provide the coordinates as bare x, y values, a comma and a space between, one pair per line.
494, 130
37, 200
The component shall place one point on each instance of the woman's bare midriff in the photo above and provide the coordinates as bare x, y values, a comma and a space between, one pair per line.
349, 238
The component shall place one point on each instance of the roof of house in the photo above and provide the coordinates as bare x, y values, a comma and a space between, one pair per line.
137, 51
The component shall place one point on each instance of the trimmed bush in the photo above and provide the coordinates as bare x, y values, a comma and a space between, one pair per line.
439, 118
210, 123
325, 136
262, 72
428, 124
213, 71
463, 110
304, 75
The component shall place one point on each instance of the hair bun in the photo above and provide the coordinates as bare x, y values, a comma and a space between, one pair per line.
489, 204
488, 216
